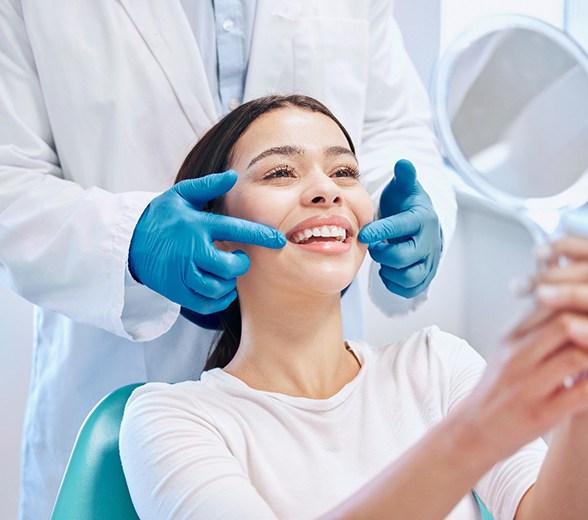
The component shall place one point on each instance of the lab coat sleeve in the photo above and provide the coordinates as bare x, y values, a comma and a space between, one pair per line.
397, 126
176, 463
63, 247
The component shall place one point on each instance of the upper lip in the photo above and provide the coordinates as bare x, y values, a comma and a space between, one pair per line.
321, 220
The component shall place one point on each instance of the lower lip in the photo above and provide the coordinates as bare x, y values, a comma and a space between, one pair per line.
326, 248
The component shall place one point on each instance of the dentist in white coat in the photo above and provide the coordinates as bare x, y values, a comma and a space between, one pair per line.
99, 102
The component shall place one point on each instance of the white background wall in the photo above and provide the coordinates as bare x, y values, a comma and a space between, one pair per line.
469, 296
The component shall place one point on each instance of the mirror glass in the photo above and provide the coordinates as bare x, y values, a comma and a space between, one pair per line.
511, 110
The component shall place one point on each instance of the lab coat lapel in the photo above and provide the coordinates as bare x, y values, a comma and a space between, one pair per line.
165, 30
271, 59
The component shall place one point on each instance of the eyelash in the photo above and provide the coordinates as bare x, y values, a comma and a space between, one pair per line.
351, 171
282, 168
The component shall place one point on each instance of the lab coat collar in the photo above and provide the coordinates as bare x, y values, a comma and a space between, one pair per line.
165, 30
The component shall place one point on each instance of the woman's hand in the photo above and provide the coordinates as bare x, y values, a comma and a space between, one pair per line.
537, 376
564, 283
525, 390
561, 289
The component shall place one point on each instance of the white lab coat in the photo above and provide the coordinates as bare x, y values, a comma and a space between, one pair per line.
100, 99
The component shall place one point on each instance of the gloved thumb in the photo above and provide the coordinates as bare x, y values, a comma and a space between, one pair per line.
199, 191
398, 191
404, 176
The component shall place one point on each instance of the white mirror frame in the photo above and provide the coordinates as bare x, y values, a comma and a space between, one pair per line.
571, 198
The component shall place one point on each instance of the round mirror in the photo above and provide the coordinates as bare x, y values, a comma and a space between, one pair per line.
510, 99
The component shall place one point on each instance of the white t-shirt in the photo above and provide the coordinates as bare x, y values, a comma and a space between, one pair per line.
218, 449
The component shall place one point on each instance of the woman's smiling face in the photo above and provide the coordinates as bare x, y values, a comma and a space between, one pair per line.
298, 174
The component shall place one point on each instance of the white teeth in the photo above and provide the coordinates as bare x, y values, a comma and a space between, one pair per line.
324, 231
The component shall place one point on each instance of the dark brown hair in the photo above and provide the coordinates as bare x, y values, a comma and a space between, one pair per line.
213, 154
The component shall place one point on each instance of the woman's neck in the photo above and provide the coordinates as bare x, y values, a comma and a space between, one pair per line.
294, 347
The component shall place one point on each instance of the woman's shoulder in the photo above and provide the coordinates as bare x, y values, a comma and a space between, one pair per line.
168, 399
165, 391
429, 346
429, 366
428, 338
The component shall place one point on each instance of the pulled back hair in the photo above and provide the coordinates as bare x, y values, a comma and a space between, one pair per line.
213, 153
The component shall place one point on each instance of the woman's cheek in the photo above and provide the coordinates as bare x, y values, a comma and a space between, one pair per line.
261, 206
365, 213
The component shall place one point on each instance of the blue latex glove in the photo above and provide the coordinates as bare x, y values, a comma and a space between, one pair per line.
406, 241
172, 250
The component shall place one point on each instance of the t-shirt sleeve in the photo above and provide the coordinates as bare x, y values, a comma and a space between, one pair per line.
177, 465
502, 488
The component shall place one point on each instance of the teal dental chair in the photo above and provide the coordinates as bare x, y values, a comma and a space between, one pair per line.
94, 486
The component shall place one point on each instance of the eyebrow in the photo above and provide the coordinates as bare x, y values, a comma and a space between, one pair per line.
334, 151
286, 150
289, 150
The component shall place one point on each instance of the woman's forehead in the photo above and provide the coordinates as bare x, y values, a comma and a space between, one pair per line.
289, 128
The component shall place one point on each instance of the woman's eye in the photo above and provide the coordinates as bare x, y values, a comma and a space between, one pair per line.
347, 172
279, 174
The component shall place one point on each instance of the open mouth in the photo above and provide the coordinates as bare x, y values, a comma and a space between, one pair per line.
320, 234
330, 234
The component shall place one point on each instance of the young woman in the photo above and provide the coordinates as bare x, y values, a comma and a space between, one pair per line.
292, 421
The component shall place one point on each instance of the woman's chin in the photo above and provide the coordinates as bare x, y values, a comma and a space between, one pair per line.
326, 284
305, 274
305, 282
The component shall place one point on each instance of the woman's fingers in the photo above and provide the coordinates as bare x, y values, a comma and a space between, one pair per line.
553, 332
528, 396
558, 372
573, 248
576, 271
564, 285
526, 349
540, 373
560, 286
528, 391
563, 261
533, 320
567, 402
568, 296
542, 390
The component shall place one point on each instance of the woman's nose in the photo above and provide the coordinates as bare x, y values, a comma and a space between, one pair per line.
323, 192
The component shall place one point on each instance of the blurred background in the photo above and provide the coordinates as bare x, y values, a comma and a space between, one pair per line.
470, 296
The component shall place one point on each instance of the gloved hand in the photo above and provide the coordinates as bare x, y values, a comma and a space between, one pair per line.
172, 250
406, 240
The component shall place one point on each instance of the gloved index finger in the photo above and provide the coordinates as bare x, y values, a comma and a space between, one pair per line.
404, 224
235, 229
199, 191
